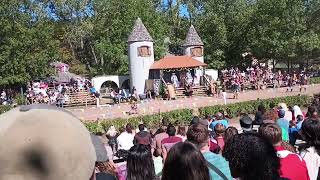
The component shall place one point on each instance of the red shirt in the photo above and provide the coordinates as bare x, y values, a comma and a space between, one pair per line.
292, 165
170, 141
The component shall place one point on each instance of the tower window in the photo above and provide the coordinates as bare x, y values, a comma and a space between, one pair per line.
144, 51
196, 52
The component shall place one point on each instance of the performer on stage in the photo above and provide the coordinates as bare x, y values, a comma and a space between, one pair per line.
174, 80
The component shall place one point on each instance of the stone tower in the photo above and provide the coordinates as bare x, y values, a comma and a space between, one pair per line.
193, 45
141, 55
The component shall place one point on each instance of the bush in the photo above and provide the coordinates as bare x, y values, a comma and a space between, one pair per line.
315, 80
20, 99
182, 116
4, 108
250, 107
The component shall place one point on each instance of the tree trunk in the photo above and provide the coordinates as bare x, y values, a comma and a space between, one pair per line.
94, 54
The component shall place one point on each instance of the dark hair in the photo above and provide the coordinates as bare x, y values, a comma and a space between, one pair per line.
219, 129
229, 133
198, 134
185, 161
139, 163
129, 128
171, 130
195, 120
251, 157
272, 132
261, 108
121, 129
182, 130
312, 110
311, 133
141, 127
165, 122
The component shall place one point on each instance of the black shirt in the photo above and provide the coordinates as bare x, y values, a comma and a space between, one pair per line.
105, 176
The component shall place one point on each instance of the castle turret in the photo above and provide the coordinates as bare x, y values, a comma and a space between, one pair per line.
141, 55
193, 45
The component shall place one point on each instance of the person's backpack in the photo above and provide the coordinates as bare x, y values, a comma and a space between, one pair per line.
216, 170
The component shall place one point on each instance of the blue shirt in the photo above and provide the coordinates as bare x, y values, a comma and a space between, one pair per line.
218, 161
223, 122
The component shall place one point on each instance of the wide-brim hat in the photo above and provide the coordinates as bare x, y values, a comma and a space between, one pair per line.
41, 142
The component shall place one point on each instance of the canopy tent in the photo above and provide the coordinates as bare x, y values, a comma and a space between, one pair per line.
176, 62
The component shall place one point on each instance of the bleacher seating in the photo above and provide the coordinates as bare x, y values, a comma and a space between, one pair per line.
81, 98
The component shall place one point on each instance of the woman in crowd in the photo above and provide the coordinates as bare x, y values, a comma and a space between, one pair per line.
140, 164
112, 137
311, 151
230, 132
185, 162
251, 157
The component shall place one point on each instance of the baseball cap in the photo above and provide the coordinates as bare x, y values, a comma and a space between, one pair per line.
246, 123
43, 142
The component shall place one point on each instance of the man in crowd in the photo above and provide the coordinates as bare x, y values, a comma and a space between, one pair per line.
170, 141
219, 119
246, 124
292, 166
283, 123
143, 136
199, 135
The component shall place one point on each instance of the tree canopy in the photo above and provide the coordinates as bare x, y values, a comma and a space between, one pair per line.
91, 35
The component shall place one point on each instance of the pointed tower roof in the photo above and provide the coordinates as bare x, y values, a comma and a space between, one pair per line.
139, 33
193, 39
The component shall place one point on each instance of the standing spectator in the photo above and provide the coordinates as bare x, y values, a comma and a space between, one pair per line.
143, 136
288, 114
312, 113
251, 158
199, 135
292, 166
284, 125
170, 141
125, 139
185, 162
182, 133
260, 115
140, 164
311, 151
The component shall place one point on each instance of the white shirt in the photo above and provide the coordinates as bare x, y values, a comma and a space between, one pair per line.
125, 141
312, 159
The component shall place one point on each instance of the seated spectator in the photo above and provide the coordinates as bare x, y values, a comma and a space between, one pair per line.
170, 141
260, 115
294, 128
112, 137
142, 137
185, 162
195, 120
246, 124
219, 119
288, 114
292, 166
296, 112
115, 96
219, 129
104, 167
311, 151
182, 133
125, 139
160, 135
251, 158
312, 113
57, 146
284, 125
199, 135
229, 133
140, 164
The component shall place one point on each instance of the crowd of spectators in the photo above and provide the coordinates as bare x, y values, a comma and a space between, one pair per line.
209, 148
40, 91
259, 77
